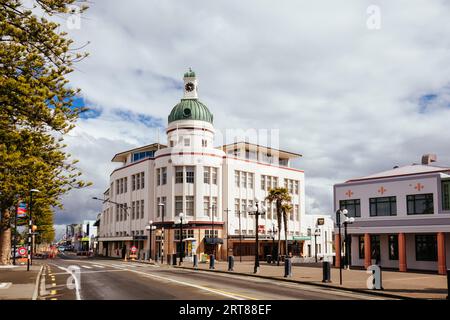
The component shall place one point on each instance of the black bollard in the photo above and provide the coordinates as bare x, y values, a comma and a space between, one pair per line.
174, 259
448, 284
326, 271
230, 263
169, 259
195, 261
287, 268
211, 261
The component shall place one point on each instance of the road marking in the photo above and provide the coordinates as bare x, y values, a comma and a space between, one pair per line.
87, 267
98, 266
77, 286
96, 271
219, 292
5, 285
53, 292
36, 286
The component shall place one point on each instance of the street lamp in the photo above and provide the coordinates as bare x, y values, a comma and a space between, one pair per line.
272, 233
338, 222
150, 227
316, 234
256, 210
213, 210
30, 230
347, 221
161, 205
181, 237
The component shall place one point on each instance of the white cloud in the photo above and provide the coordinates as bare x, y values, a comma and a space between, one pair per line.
346, 97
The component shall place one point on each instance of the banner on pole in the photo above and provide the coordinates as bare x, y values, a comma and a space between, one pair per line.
22, 213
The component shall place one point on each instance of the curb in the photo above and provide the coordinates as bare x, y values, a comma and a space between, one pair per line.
36, 287
375, 293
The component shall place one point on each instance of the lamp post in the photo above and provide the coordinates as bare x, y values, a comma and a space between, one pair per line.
273, 232
213, 208
257, 210
347, 221
162, 206
228, 234
316, 234
181, 238
338, 222
240, 237
150, 227
30, 230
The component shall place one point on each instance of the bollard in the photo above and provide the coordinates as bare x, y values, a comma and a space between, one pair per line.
174, 259
287, 268
269, 258
448, 283
211, 261
326, 271
195, 258
230, 263
169, 259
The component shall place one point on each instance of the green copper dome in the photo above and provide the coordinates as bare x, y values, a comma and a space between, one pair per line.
190, 73
190, 109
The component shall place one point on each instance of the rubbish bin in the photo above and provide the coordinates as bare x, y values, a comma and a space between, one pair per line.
174, 259
269, 258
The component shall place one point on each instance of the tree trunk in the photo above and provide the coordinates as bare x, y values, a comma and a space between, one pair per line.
279, 231
285, 232
5, 239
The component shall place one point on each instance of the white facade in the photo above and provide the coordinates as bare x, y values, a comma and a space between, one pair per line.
192, 176
406, 211
319, 232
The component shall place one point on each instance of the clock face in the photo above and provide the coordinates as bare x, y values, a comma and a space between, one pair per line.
189, 86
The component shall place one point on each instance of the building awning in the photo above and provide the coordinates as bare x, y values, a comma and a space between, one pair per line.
213, 240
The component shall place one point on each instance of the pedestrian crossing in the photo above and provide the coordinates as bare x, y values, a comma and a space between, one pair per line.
95, 267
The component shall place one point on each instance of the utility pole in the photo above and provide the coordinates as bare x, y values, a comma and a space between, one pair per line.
228, 234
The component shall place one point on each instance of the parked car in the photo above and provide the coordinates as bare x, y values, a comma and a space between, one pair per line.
61, 248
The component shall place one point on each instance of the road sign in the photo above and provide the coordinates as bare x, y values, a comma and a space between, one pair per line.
133, 249
22, 251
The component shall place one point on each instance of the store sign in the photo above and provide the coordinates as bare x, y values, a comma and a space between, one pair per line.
320, 221
302, 238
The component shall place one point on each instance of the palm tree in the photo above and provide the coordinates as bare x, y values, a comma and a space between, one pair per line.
281, 197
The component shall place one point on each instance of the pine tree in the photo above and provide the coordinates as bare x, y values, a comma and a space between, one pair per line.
36, 111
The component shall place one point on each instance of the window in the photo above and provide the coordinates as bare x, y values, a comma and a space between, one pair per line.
138, 181
353, 207
178, 174
375, 247
204, 143
121, 185
209, 234
206, 175
132, 210
214, 206
142, 180
171, 143
269, 183
296, 187
214, 175
164, 175
393, 247
178, 205
236, 178
187, 142
125, 184
445, 195
137, 209
117, 212
384, 206
163, 207
420, 203
190, 174
291, 186
263, 182
236, 206
426, 247
158, 177
361, 246
275, 182
244, 207
142, 209
244, 179
189, 205
250, 180
142, 155
206, 206
133, 182
158, 208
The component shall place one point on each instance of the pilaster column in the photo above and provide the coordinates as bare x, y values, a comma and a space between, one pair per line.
337, 246
402, 265
442, 268
367, 251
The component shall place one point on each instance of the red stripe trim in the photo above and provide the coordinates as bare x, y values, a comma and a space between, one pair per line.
131, 164
397, 175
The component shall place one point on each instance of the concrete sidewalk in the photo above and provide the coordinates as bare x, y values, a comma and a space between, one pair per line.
16, 283
402, 284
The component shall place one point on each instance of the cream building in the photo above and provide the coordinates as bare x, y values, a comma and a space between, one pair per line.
211, 186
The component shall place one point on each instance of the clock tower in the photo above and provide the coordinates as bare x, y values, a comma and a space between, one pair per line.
190, 85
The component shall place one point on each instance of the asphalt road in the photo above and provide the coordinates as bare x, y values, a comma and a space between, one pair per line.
115, 279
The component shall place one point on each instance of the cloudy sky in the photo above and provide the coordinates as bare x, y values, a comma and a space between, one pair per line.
354, 88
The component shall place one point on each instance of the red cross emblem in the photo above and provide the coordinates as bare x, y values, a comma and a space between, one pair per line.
349, 193
382, 190
419, 187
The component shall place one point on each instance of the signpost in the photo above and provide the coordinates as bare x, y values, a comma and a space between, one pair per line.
133, 253
23, 251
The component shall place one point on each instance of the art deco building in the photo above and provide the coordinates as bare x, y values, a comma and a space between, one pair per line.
211, 186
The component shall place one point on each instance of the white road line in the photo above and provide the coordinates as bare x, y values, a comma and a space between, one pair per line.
36, 286
98, 266
225, 294
77, 285
87, 267
5, 285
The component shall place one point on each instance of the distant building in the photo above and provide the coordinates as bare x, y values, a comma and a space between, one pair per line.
319, 237
402, 217
82, 236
